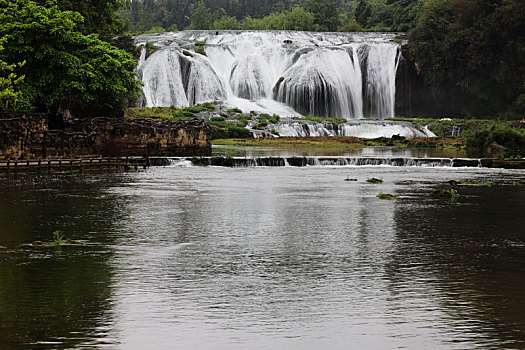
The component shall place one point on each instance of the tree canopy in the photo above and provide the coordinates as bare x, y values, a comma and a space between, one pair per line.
476, 47
99, 15
63, 67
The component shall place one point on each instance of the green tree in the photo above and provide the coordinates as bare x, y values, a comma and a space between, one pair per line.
325, 14
201, 17
9, 81
99, 15
299, 19
476, 48
362, 13
63, 67
226, 23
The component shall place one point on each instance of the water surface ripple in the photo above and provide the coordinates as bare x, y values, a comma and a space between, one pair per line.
263, 258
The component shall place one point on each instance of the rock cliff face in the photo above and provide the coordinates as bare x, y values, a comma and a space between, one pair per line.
140, 137
35, 136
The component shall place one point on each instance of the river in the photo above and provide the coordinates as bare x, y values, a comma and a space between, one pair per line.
263, 258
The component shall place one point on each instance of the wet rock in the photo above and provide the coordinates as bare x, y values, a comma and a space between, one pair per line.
450, 195
297, 161
462, 162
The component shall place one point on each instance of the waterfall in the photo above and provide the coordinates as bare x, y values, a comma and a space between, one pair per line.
362, 129
343, 75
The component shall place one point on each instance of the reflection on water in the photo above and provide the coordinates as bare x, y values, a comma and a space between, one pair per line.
263, 258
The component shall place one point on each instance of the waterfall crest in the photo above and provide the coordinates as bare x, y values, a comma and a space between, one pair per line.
343, 75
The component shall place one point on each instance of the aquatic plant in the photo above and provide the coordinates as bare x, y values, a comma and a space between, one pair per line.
382, 195
451, 194
58, 238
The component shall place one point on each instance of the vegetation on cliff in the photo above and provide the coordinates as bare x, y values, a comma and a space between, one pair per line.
474, 50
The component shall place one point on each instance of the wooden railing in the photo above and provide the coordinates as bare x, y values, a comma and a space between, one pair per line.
72, 164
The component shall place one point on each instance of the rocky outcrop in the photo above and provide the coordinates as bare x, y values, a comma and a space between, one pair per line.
139, 137
30, 136
19, 136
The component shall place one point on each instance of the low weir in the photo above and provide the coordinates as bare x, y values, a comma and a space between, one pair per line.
318, 161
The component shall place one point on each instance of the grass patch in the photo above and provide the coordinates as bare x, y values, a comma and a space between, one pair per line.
234, 111
306, 143
322, 120
168, 113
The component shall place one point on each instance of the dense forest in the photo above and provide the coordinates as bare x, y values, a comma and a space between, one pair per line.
313, 15
467, 55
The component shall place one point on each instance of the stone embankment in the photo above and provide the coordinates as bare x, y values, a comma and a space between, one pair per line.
31, 136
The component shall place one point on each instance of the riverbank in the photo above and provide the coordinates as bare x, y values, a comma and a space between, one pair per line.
42, 136
485, 138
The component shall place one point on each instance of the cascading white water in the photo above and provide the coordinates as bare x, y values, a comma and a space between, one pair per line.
364, 129
344, 75
382, 63
162, 79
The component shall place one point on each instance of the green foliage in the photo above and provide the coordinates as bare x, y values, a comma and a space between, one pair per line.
217, 119
156, 29
475, 49
513, 139
265, 118
325, 14
450, 195
351, 26
170, 113
58, 238
243, 119
99, 15
227, 23
10, 96
63, 66
296, 18
201, 17
200, 50
234, 111
224, 130
322, 120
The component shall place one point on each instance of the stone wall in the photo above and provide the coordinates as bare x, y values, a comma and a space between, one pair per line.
30, 136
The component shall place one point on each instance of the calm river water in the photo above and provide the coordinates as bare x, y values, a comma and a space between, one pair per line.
263, 258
